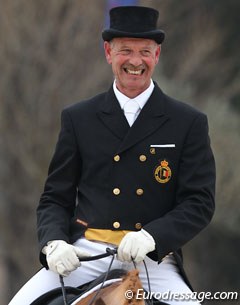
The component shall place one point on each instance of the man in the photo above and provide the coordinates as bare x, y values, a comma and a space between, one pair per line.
132, 167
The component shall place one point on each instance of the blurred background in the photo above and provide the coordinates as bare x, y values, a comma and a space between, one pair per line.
51, 56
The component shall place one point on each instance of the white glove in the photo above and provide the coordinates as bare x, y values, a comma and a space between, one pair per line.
62, 257
135, 245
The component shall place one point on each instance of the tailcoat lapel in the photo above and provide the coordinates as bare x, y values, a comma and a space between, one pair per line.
151, 117
112, 115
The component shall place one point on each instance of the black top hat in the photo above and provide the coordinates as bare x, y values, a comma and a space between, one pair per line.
134, 22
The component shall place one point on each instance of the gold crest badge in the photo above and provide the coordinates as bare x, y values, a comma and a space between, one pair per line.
163, 172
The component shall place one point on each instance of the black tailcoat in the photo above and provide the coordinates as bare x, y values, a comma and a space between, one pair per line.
114, 175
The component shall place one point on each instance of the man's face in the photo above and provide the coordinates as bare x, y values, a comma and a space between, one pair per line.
133, 61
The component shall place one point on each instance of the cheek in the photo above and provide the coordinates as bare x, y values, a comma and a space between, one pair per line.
115, 68
151, 63
117, 63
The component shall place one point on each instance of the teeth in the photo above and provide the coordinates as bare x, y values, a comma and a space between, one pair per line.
138, 72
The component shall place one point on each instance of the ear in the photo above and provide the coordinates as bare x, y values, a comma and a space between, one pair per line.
107, 49
157, 54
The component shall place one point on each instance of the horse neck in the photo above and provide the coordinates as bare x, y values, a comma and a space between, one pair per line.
114, 294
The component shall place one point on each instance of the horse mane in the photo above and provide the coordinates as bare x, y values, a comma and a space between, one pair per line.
114, 294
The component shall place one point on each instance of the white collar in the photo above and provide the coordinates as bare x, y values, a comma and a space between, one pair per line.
141, 99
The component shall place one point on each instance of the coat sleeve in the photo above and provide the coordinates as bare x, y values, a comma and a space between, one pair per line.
58, 200
194, 202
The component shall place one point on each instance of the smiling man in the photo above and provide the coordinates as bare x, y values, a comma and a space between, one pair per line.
133, 169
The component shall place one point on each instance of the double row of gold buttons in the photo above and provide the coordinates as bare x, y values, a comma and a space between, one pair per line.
139, 191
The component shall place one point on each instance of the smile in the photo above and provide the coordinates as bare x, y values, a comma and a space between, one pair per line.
134, 72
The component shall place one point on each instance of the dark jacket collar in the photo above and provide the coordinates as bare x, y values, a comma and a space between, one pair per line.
151, 117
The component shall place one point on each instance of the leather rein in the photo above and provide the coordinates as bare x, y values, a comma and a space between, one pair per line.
109, 252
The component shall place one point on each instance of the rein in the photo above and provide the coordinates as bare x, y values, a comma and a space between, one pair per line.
109, 252
86, 259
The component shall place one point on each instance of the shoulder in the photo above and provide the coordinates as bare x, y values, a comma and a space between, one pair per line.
177, 109
180, 107
86, 106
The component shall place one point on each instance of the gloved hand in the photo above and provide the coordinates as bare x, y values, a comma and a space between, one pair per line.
62, 257
135, 245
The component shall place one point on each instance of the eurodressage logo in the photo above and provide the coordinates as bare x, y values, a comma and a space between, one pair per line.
163, 172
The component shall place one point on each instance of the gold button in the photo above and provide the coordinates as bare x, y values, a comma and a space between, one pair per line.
116, 158
138, 225
116, 224
139, 192
116, 191
142, 158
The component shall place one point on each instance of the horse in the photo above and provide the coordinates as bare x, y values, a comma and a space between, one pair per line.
114, 293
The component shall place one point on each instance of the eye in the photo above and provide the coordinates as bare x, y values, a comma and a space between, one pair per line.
145, 53
125, 51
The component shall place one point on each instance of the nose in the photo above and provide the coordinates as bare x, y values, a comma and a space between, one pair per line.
135, 59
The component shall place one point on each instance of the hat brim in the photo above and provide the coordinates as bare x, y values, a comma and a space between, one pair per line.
157, 35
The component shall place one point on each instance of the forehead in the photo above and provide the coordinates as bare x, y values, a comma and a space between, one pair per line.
134, 42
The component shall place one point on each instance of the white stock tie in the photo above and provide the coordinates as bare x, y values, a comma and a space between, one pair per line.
131, 109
